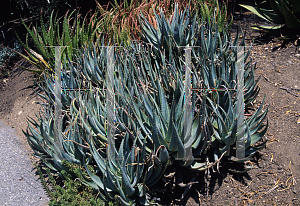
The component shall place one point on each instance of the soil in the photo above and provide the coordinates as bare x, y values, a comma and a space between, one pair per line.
275, 178
18, 99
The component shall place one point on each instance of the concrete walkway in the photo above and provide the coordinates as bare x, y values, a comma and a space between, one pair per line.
18, 183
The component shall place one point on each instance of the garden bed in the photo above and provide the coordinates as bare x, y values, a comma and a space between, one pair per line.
275, 178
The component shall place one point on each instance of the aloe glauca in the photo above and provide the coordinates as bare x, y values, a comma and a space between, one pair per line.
165, 123
73, 36
224, 130
123, 173
142, 72
156, 111
40, 133
149, 110
70, 79
167, 127
92, 61
79, 142
214, 67
41, 140
284, 13
181, 30
213, 53
166, 36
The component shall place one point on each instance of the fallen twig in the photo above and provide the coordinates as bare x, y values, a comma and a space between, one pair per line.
271, 190
293, 117
266, 78
289, 91
270, 172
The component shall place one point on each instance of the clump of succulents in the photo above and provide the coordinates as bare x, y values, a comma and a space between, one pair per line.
151, 131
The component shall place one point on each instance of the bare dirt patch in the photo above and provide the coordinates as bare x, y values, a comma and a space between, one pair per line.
18, 99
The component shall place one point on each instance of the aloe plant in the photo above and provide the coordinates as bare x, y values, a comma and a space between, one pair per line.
213, 53
225, 130
164, 122
214, 66
150, 134
284, 13
41, 137
73, 36
124, 173
41, 134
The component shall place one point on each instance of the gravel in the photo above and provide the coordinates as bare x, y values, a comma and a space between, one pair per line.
19, 184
